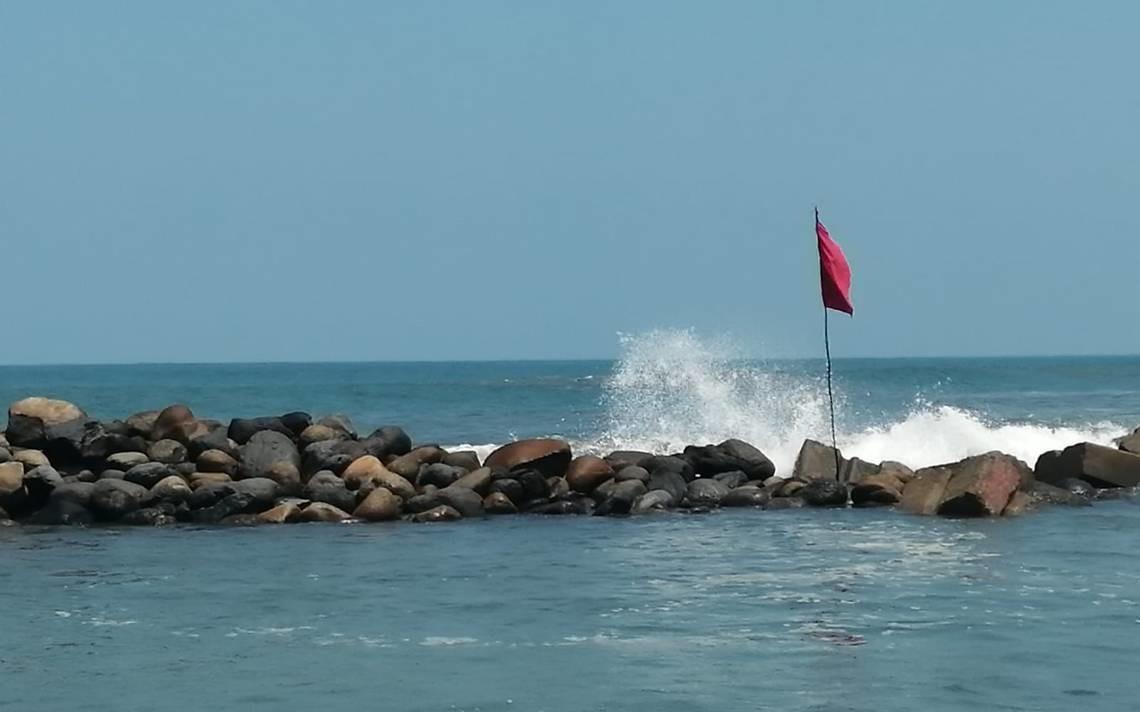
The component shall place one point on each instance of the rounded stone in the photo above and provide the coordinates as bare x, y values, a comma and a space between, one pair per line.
167, 451
172, 488
126, 460
216, 461
30, 458
550, 456
586, 472
324, 512
499, 503
379, 506
442, 513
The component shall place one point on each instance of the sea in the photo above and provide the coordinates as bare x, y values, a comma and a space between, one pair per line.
734, 610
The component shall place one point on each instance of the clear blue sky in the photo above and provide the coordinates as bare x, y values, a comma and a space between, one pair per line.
429, 180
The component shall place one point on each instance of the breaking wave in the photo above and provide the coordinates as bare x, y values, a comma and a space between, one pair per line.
670, 389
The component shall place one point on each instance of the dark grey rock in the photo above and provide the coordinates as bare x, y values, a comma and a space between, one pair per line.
669, 463
440, 475
149, 474
733, 479
242, 429
632, 472
112, 499
746, 496
653, 501
816, 461
705, 492
388, 440
333, 455
297, 421
215, 439
669, 481
235, 503
77, 492
466, 501
467, 460
824, 493
340, 423
511, 488
264, 492
621, 498
265, 450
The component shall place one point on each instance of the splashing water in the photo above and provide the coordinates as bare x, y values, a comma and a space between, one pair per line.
670, 389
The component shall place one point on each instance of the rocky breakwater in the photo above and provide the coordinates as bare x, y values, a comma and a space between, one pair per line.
58, 466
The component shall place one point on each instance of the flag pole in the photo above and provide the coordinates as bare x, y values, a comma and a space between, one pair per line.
830, 393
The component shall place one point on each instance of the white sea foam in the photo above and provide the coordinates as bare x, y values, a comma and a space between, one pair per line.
670, 389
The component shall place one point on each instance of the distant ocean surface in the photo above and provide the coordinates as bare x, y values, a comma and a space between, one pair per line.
791, 610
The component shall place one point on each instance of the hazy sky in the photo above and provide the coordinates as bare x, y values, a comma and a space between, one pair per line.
436, 180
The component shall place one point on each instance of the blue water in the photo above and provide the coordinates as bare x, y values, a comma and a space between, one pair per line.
791, 610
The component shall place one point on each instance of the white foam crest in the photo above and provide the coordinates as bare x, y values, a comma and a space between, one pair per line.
481, 450
671, 389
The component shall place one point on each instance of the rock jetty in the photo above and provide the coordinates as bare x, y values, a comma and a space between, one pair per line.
58, 466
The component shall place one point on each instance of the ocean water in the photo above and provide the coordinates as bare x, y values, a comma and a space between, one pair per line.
789, 610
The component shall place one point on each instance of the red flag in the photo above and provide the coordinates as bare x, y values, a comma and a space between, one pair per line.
834, 272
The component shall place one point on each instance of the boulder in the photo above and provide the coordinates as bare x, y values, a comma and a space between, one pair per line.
332, 455
126, 460
111, 474
363, 469
467, 460
478, 480
509, 488
241, 430
816, 461
148, 517
408, 466
669, 481
324, 512
320, 433
61, 512
653, 501
148, 474
466, 501
11, 478
981, 486
855, 470
77, 492
30, 458
824, 493
621, 498
499, 503
262, 490
669, 463
265, 453
284, 513
632, 472
579, 504
626, 458
387, 441
54, 425
746, 496
586, 472
217, 461
5, 454
534, 484
1076, 486
789, 488
549, 456
213, 439
296, 422
1131, 442
379, 506
174, 422
559, 488
142, 424
879, 489
924, 493
199, 479
1040, 494
97, 442
173, 489
729, 456
424, 501
439, 474
330, 490
705, 492
170, 452
390, 481
442, 513
341, 424
1099, 465
113, 499
227, 506
733, 479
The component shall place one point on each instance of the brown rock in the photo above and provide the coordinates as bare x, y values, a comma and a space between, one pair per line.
367, 473
816, 461
174, 422
31, 459
923, 494
284, 513
1020, 503
322, 512
142, 423
379, 506
882, 488
200, 479
442, 513
586, 472
11, 477
478, 480
981, 486
362, 469
549, 456
408, 466
286, 475
217, 461
499, 503
319, 433
34, 421
1096, 464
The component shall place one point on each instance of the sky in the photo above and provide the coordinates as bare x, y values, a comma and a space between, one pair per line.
294, 181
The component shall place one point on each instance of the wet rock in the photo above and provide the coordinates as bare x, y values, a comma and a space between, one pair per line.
242, 430
298, 420
170, 452
324, 512
816, 461
264, 492
789, 488
284, 513
621, 498
112, 474
244, 519
467, 502
61, 512
705, 492
113, 499
578, 505
48, 424
379, 506
729, 456
98, 443
148, 517
467, 460
265, 453
509, 488
549, 456
1041, 494
786, 503
653, 501
126, 460
534, 484
148, 474
478, 480
669, 463
669, 481
499, 503
172, 488
227, 506
387, 441
620, 459
824, 493
77, 492
746, 496
423, 501
332, 455
331, 490
586, 472
981, 486
733, 479
390, 481
442, 513
1099, 465
632, 472
1077, 487
924, 493
439, 474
